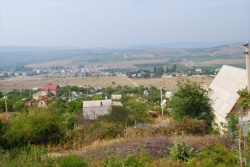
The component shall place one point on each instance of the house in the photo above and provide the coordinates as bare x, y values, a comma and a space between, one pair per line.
130, 94
73, 96
168, 94
43, 103
39, 95
198, 70
95, 108
97, 88
53, 88
224, 94
115, 97
145, 93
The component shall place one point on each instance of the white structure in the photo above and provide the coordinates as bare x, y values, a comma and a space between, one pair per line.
116, 97
40, 94
198, 70
168, 94
224, 94
42, 104
145, 93
95, 108
163, 103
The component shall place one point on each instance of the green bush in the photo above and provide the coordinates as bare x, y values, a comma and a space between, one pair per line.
72, 161
28, 156
193, 101
118, 114
181, 150
132, 161
105, 130
37, 127
216, 155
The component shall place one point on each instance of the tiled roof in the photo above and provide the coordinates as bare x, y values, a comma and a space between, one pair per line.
50, 87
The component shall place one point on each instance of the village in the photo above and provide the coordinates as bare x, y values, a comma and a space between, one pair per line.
163, 70
70, 118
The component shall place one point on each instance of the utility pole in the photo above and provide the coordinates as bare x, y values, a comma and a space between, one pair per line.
246, 52
69, 94
6, 106
161, 103
240, 133
243, 125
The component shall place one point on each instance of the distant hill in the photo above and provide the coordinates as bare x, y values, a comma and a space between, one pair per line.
33, 48
10, 56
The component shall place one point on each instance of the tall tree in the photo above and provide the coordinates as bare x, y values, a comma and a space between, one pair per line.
192, 101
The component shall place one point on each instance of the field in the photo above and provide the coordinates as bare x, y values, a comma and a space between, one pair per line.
38, 81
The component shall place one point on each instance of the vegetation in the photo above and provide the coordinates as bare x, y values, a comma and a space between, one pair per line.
191, 100
31, 133
181, 150
34, 127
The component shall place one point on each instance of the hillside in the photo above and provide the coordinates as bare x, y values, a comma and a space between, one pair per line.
133, 56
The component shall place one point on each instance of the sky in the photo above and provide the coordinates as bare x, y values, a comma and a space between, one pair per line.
122, 23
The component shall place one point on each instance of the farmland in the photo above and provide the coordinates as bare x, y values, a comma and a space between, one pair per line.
168, 83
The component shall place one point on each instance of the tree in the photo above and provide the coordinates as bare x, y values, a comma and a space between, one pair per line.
192, 101
118, 114
74, 106
244, 100
174, 68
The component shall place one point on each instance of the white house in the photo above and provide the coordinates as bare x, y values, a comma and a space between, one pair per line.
168, 94
115, 97
95, 108
224, 88
145, 93
198, 70
40, 94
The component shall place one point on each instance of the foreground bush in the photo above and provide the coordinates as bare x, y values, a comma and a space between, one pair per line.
31, 156
216, 155
181, 150
35, 127
210, 156
72, 161
105, 130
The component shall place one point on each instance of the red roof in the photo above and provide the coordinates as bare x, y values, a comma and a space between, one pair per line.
50, 87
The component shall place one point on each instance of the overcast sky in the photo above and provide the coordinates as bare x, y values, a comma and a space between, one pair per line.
122, 23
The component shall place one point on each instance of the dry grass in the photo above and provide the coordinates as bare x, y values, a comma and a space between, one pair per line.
50, 64
38, 81
154, 146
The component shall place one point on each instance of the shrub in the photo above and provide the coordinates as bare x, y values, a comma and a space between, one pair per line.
105, 130
181, 150
193, 101
132, 161
117, 114
216, 155
72, 161
36, 127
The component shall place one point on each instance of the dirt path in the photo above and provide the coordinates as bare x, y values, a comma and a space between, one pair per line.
131, 81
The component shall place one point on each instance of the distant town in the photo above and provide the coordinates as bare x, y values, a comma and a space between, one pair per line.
81, 70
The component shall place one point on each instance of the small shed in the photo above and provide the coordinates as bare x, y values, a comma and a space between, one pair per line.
95, 108
115, 97
145, 93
